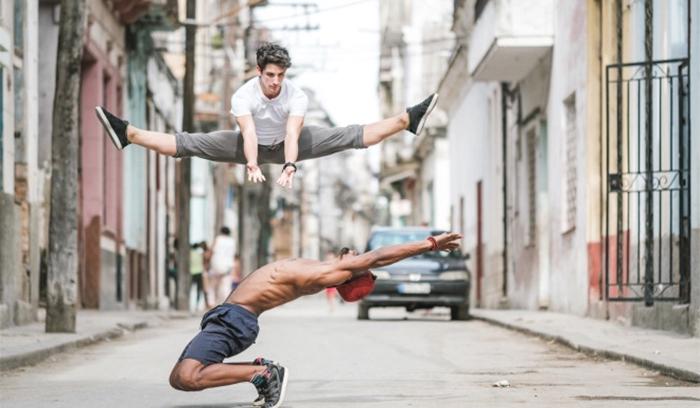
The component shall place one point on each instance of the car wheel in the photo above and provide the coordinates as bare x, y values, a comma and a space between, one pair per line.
459, 312
362, 312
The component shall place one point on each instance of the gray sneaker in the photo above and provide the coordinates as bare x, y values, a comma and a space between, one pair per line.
271, 386
260, 400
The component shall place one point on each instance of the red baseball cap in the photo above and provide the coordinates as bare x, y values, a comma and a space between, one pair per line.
357, 288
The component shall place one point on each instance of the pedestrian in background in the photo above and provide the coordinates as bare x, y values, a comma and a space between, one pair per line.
223, 252
206, 262
171, 275
197, 287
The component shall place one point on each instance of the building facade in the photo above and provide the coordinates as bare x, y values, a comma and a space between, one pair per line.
121, 230
415, 45
21, 176
571, 123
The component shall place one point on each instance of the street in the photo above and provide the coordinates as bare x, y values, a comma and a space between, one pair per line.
394, 360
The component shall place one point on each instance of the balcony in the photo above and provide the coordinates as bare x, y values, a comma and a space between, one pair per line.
509, 37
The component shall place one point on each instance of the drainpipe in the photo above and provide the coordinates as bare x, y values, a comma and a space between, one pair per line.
504, 144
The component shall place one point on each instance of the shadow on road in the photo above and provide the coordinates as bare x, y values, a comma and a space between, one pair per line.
228, 405
412, 319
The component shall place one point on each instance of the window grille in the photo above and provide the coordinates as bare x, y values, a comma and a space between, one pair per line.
570, 165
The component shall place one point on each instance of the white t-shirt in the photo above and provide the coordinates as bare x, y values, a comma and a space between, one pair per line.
269, 115
222, 254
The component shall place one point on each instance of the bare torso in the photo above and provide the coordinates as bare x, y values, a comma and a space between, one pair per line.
278, 283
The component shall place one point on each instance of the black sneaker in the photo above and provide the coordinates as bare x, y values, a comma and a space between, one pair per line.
417, 114
115, 127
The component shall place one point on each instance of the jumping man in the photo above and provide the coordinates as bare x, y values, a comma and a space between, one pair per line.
270, 113
232, 327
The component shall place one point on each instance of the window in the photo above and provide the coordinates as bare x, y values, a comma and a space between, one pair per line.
18, 88
19, 26
570, 164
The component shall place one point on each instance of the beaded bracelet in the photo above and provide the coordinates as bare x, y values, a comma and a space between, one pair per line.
434, 242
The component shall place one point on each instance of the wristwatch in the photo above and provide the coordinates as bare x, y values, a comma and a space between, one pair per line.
289, 164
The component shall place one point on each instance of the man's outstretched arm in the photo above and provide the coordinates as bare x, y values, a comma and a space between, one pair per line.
351, 267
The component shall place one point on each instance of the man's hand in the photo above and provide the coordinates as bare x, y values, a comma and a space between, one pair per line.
447, 241
286, 177
254, 173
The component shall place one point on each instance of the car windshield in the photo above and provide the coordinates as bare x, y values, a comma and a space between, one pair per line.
385, 238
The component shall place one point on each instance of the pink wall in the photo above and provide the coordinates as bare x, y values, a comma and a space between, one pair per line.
101, 175
91, 94
101, 162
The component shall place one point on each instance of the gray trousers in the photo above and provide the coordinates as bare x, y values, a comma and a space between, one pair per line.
227, 145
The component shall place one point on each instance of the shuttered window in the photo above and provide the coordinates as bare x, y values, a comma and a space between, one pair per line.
570, 164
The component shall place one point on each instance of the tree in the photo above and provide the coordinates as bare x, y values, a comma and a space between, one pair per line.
62, 273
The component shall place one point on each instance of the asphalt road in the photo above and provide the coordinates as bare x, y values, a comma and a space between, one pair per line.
396, 359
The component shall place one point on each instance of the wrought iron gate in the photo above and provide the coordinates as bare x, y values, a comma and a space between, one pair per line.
647, 207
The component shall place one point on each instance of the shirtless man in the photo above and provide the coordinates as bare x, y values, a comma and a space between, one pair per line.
232, 327
269, 110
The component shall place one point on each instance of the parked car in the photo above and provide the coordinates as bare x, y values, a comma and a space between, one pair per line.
420, 282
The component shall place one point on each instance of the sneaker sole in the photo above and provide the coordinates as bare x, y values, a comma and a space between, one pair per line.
105, 123
284, 388
427, 113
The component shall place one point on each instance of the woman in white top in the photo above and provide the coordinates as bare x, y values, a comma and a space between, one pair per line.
222, 262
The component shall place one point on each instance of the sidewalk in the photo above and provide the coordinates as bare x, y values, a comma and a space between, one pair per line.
29, 344
669, 353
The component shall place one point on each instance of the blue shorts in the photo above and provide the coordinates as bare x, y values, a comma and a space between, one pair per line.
227, 330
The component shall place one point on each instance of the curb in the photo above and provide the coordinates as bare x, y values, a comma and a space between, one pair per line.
674, 372
37, 356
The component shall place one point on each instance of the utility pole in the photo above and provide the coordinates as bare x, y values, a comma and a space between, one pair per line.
62, 275
185, 172
221, 172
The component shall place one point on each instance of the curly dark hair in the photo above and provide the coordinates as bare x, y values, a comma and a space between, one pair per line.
271, 53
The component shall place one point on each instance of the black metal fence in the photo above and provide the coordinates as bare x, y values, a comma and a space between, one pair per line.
647, 161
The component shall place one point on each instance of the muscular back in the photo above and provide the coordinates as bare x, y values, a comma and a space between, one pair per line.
280, 282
